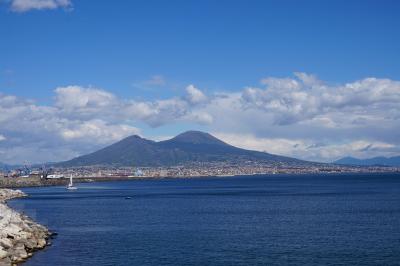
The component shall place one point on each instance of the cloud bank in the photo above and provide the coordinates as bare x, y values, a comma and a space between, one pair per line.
298, 116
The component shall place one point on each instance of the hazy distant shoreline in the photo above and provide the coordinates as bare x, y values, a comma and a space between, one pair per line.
21, 182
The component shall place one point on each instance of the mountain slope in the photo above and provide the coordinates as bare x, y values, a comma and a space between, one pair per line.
132, 150
391, 161
203, 145
188, 147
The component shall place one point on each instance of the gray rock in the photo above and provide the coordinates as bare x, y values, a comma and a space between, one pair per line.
19, 235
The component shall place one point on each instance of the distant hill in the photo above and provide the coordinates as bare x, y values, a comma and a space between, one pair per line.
3, 166
6, 167
382, 161
188, 147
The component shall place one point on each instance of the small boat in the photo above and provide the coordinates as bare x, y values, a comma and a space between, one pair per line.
128, 197
71, 185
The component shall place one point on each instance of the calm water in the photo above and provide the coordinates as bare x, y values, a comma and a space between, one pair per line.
263, 220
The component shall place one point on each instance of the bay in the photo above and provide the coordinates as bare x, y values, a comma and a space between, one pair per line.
341, 219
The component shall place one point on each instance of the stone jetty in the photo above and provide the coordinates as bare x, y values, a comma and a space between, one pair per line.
20, 236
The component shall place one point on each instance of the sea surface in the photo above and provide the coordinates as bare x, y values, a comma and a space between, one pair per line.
245, 220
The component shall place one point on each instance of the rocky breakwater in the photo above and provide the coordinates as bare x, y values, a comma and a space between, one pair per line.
19, 235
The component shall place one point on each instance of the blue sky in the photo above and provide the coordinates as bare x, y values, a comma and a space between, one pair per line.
151, 51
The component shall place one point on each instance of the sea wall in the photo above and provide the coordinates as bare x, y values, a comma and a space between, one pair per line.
19, 235
17, 182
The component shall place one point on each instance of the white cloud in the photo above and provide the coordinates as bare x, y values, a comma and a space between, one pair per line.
194, 95
293, 116
76, 97
91, 103
2, 137
305, 98
309, 149
300, 116
51, 131
199, 117
27, 5
271, 145
81, 120
158, 112
97, 130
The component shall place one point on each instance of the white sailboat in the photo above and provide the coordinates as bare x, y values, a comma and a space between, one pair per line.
71, 185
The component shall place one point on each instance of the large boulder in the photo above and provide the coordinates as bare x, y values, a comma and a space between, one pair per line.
6, 243
3, 253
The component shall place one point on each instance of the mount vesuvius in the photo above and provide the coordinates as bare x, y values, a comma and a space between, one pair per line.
188, 147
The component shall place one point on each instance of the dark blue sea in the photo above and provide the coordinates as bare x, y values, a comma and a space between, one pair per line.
245, 220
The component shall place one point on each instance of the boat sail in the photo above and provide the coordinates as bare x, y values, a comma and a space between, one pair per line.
71, 184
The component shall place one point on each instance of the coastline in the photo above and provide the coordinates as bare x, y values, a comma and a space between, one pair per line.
20, 236
23, 182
